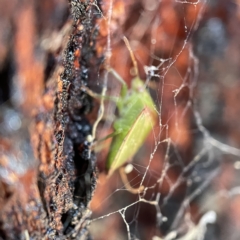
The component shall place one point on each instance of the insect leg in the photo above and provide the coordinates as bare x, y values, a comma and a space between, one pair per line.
126, 183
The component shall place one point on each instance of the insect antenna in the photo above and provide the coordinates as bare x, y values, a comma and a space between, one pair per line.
104, 90
132, 56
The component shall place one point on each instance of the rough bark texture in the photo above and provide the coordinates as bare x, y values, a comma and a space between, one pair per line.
51, 202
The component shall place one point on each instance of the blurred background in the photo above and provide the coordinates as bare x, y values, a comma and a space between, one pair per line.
188, 52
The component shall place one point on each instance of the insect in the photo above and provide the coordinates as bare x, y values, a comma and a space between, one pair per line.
136, 118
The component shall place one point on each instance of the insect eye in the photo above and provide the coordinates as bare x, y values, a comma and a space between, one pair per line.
137, 83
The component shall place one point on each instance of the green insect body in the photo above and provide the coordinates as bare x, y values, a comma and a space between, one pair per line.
137, 116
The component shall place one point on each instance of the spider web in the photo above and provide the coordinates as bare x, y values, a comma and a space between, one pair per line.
182, 159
